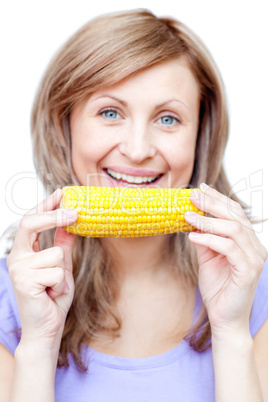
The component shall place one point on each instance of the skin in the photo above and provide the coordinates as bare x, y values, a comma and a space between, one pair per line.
230, 255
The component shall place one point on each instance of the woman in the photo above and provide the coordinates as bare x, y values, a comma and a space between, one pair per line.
136, 95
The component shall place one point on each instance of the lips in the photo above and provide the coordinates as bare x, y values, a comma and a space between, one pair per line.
132, 180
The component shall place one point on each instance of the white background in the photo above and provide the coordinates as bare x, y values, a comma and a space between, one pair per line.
235, 32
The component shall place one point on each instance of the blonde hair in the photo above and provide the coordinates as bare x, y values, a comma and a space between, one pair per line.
102, 53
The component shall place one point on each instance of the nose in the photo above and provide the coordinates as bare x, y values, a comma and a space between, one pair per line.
137, 145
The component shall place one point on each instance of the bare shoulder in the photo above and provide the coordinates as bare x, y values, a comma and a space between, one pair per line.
261, 356
7, 365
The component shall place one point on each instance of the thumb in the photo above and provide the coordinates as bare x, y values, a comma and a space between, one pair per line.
66, 241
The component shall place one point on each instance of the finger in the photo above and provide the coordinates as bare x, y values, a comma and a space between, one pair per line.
230, 229
36, 246
221, 245
48, 204
54, 294
213, 193
65, 241
218, 205
31, 225
51, 279
204, 253
48, 258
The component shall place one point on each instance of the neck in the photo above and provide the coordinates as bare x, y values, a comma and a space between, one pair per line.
138, 259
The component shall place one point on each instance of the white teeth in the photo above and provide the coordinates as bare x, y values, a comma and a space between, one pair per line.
131, 179
138, 180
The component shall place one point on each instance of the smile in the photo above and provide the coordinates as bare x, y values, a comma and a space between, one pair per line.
132, 180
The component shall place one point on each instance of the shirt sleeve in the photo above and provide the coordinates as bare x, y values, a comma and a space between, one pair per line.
259, 312
9, 316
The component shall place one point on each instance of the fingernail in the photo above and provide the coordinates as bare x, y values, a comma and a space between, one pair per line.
66, 289
191, 216
204, 187
70, 212
56, 192
196, 195
194, 234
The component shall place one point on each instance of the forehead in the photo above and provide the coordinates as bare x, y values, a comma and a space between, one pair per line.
173, 77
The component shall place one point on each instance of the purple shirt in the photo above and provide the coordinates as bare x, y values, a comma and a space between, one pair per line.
180, 374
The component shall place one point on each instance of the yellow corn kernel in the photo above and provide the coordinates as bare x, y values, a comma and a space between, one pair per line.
128, 212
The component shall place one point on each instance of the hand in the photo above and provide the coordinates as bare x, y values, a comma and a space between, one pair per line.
230, 258
42, 280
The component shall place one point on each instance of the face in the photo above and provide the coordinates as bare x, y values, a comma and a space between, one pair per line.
139, 133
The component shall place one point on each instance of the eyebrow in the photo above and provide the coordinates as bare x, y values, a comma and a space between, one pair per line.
124, 103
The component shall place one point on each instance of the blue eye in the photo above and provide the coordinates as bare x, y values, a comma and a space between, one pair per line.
110, 114
168, 120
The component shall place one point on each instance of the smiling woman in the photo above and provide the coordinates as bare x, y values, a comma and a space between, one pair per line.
132, 100
124, 131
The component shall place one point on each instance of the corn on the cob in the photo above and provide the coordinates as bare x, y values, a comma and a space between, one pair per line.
128, 212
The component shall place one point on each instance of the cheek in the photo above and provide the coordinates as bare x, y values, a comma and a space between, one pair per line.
85, 144
84, 161
180, 157
83, 154
89, 147
181, 153
86, 149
